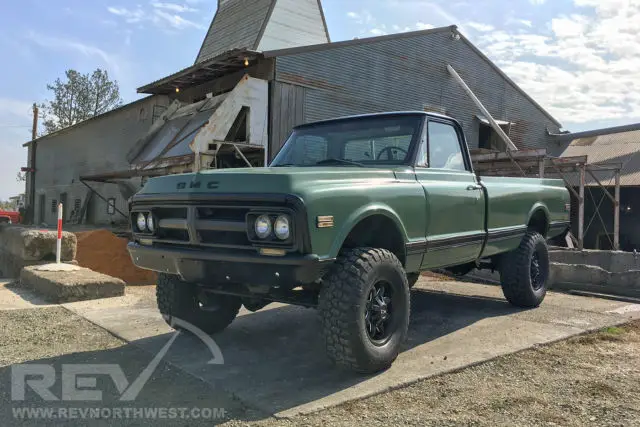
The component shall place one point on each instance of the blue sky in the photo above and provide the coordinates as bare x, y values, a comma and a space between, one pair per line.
580, 59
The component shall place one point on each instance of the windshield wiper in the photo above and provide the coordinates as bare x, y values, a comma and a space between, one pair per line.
342, 161
284, 165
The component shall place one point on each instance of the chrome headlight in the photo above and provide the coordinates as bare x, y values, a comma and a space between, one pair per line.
262, 226
281, 228
141, 222
150, 225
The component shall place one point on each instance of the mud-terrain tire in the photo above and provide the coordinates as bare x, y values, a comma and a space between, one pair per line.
524, 272
364, 306
180, 300
412, 279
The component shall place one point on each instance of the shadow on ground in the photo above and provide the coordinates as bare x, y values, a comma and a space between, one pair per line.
274, 359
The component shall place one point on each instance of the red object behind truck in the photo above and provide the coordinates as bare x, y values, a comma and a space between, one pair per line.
10, 217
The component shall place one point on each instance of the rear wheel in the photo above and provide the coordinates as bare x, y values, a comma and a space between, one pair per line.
182, 301
524, 272
364, 306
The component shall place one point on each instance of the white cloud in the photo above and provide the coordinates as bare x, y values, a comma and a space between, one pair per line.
483, 28
130, 16
582, 67
537, 2
173, 7
176, 21
423, 26
167, 16
353, 15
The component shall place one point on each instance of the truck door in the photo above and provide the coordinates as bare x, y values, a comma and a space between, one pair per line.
455, 202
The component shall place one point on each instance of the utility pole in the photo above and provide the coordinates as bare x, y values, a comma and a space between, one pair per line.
34, 130
31, 177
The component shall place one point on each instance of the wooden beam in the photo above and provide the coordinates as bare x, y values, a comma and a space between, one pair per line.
520, 154
606, 192
572, 159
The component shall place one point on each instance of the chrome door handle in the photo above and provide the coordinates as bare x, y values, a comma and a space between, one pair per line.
474, 187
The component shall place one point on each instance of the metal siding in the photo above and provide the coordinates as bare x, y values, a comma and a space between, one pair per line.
407, 74
287, 111
294, 23
99, 146
237, 24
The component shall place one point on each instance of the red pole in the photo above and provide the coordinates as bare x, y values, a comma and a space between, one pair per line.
59, 241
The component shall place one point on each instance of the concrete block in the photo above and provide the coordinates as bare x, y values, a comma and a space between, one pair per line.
20, 247
613, 261
594, 279
79, 284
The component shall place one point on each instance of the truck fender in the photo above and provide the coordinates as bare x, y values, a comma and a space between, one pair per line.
359, 215
539, 206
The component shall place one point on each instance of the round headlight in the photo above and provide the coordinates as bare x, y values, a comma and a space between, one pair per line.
262, 226
150, 224
281, 228
141, 222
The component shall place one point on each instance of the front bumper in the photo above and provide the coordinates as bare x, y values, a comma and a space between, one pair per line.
207, 266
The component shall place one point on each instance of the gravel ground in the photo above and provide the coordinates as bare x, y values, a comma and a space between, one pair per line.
587, 380
47, 332
54, 336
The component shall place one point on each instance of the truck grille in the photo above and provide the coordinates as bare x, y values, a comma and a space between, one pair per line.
220, 226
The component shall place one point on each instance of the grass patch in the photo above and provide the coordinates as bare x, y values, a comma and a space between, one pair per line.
609, 334
613, 330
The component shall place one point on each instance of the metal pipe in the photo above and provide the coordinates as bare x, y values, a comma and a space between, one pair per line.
496, 127
616, 214
581, 209
242, 155
102, 198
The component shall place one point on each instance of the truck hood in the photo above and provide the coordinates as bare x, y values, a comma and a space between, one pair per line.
289, 180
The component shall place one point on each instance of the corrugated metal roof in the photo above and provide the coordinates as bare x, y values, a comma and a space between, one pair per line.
263, 25
236, 25
410, 35
620, 147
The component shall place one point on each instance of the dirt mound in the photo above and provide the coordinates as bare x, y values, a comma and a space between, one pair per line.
104, 252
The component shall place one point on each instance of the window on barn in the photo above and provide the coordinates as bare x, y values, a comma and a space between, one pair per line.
489, 138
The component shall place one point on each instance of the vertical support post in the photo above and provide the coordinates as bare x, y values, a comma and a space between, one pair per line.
616, 214
30, 184
34, 127
581, 209
59, 240
541, 168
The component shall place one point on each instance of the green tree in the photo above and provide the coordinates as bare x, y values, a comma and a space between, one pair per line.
79, 97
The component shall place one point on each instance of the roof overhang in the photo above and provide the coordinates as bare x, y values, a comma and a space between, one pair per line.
485, 121
221, 65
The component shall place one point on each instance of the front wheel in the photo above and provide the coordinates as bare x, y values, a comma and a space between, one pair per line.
180, 300
364, 306
524, 272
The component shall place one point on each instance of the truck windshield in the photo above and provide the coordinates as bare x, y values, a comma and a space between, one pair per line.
369, 141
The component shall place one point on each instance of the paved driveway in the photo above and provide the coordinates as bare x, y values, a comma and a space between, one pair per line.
274, 361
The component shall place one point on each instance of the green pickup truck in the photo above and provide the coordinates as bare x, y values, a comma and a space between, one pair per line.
344, 219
